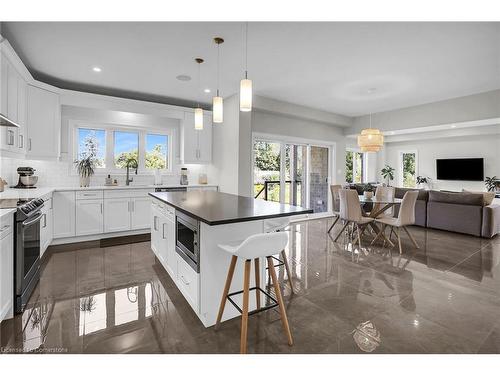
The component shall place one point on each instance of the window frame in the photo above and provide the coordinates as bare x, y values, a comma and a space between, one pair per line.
400, 166
109, 158
363, 165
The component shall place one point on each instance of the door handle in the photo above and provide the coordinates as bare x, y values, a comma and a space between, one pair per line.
184, 280
10, 137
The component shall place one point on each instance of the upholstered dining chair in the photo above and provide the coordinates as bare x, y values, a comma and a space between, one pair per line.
406, 217
335, 203
350, 213
384, 192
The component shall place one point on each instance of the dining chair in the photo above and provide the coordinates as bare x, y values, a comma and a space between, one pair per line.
406, 217
350, 213
384, 193
335, 203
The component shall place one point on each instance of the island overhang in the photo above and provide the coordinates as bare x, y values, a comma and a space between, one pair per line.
215, 208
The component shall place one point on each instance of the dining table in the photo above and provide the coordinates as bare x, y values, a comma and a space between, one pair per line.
379, 206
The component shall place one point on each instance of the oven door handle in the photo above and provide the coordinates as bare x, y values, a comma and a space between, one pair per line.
33, 221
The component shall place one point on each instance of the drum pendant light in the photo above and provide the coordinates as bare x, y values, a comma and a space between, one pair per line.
370, 140
217, 101
246, 84
198, 112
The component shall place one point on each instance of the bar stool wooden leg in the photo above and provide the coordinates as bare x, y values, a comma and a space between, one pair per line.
257, 281
229, 278
244, 314
287, 268
284, 319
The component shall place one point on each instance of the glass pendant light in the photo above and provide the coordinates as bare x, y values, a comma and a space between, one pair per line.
370, 140
246, 84
198, 112
217, 101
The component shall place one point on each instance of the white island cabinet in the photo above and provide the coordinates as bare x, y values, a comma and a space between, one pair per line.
222, 218
163, 236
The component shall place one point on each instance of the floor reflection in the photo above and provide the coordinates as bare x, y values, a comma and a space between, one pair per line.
441, 298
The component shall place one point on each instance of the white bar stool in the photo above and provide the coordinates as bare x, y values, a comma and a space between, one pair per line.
279, 225
254, 247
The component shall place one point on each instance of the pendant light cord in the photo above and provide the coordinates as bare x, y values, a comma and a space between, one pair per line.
246, 50
199, 79
218, 67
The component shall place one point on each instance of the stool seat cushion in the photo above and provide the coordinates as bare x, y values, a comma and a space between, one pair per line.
257, 245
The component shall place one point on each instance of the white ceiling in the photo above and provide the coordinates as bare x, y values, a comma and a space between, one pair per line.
328, 66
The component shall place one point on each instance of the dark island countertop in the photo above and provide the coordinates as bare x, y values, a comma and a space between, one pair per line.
214, 208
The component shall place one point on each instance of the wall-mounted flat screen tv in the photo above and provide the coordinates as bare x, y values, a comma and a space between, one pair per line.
471, 169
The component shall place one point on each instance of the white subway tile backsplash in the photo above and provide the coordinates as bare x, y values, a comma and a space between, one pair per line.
61, 174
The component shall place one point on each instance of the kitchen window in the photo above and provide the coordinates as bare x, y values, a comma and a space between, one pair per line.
126, 149
114, 147
92, 142
156, 151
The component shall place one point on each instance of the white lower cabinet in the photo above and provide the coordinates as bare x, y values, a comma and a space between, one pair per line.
116, 214
163, 236
6, 266
63, 203
140, 212
46, 226
187, 282
89, 217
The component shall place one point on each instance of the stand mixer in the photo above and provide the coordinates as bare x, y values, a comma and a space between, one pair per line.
27, 180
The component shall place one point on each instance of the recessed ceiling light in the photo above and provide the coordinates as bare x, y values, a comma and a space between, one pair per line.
207, 91
371, 90
97, 69
390, 133
183, 78
453, 126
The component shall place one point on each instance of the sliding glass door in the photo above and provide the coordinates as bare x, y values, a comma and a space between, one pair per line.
292, 173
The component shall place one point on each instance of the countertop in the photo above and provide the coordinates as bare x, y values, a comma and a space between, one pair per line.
39, 192
6, 211
214, 208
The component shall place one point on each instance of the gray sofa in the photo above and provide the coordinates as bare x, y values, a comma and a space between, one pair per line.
460, 212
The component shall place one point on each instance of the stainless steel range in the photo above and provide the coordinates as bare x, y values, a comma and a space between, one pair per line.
26, 251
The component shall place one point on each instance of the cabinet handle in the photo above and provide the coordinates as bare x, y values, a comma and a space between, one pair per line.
184, 280
44, 220
101, 208
4, 228
154, 222
29, 144
21, 141
163, 231
132, 205
10, 137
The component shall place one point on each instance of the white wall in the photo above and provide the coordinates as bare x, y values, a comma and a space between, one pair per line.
483, 146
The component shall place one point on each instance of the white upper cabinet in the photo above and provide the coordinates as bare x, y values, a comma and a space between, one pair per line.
44, 123
13, 105
196, 145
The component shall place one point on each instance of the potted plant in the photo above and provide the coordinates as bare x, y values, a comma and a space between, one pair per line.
423, 181
85, 168
492, 183
388, 173
368, 190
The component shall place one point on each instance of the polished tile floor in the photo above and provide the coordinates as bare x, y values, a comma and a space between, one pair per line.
442, 298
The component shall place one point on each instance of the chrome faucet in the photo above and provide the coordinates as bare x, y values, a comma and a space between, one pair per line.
128, 180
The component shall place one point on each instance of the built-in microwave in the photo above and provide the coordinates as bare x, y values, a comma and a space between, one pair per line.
187, 236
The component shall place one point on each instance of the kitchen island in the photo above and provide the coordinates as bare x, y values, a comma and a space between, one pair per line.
186, 228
